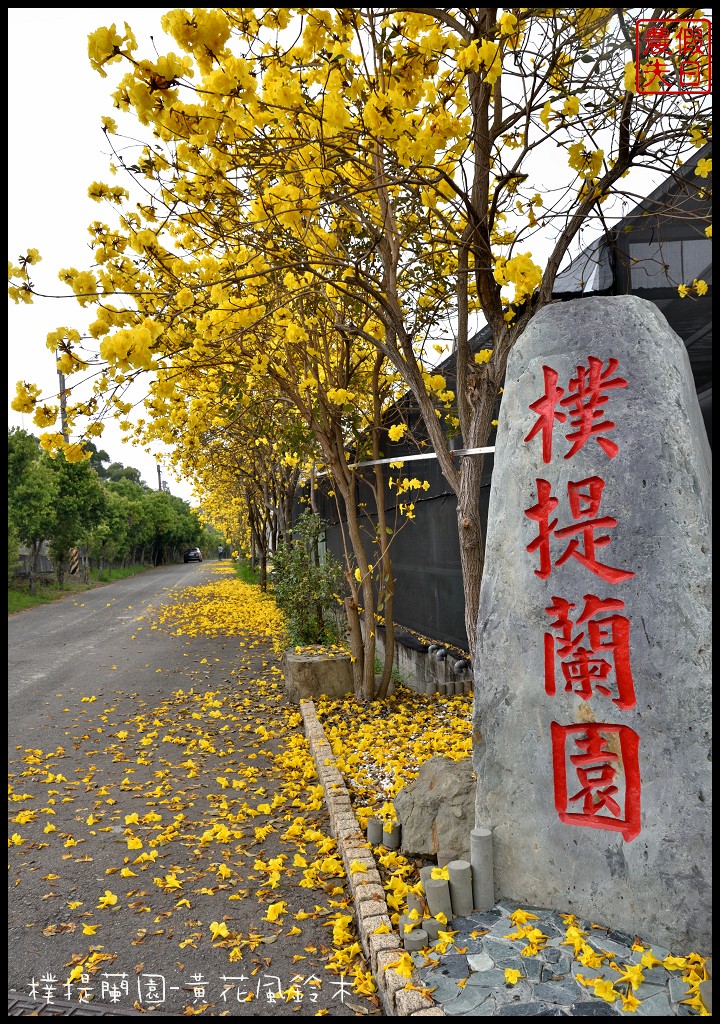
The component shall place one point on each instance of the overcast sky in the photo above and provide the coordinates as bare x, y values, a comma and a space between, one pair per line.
56, 149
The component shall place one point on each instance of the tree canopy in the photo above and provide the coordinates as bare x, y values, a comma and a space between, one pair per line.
329, 199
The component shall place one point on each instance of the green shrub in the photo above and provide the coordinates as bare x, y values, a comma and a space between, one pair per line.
306, 584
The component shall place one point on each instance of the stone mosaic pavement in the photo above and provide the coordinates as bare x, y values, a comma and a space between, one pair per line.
472, 983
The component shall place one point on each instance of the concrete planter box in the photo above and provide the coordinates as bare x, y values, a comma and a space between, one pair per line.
313, 673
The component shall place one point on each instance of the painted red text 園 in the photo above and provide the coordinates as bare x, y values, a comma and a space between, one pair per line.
595, 659
596, 771
584, 497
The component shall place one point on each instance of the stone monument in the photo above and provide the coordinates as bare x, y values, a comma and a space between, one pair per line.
592, 676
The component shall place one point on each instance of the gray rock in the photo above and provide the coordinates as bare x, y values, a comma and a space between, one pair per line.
678, 989
558, 970
530, 967
453, 965
520, 992
500, 950
557, 959
480, 962
484, 920
486, 1009
604, 944
593, 1009
564, 993
605, 972
487, 979
436, 810
657, 1005
654, 982
467, 1002
645, 860
444, 989
528, 1010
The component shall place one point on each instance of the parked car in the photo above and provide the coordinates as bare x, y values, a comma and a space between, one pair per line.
193, 555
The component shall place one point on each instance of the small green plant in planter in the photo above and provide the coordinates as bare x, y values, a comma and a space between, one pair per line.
305, 584
394, 674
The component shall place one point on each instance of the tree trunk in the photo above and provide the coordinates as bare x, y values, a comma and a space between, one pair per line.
470, 532
387, 589
368, 645
356, 646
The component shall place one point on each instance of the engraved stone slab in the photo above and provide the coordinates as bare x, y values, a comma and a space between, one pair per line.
592, 676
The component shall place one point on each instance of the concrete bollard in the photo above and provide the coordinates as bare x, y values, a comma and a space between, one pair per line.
415, 903
426, 873
407, 924
445, 856
433, 928
461, 890
437, 891
375, 831
481, 861
391, 836
416, 940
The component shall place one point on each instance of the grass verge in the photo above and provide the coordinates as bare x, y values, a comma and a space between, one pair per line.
47, 589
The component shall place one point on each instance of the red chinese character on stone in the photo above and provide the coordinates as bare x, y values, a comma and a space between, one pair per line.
603, 760
584, 498
589, 668
541, 514
585, 398
546, 407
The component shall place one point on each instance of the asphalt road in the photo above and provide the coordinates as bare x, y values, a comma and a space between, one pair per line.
70, 645
159, 769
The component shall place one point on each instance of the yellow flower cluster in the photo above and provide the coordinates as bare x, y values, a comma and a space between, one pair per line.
698, 287
408, 484
521, 272
26, 397
483, 56
104, 47
587, 162
340, 396
704, 167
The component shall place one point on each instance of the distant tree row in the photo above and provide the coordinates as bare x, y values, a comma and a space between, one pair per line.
106, 510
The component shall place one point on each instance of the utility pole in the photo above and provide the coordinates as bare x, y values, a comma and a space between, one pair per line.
159, 477
63, 404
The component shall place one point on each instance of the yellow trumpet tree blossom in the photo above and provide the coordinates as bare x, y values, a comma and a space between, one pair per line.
323, 183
